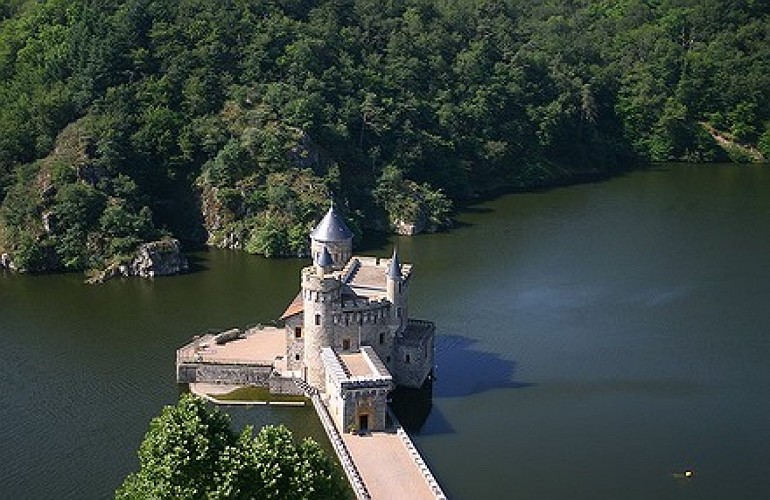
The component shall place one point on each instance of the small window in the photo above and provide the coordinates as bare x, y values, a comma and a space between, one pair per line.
317, 319
297, 332
387, 360
382, 338
345, 344
398, 312
296, 357
408, 359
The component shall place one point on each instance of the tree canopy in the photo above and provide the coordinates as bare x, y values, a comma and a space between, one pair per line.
232, 121
191, 452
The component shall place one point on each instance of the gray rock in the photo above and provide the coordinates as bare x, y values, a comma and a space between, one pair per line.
49, 222
158, 258
406, 228
6, 262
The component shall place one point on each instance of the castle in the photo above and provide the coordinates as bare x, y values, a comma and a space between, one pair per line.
346, 337
346, 342
348, 332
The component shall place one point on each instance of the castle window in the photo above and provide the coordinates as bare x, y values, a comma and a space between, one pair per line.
408, 359
296, 357
398, 312
317, 319
345, 344
297, 332
382, 338
387, 359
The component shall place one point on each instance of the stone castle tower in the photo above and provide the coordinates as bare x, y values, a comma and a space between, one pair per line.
348, 331
320, 292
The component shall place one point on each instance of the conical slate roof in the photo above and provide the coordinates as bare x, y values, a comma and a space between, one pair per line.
394, 269
331, 228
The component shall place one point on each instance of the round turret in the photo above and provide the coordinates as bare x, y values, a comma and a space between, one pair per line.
320, 294
333, 234
324, 262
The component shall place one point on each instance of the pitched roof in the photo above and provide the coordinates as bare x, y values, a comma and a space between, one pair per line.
331, 228
296, 307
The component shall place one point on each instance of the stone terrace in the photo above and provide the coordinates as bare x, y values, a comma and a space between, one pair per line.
366, 276
261, 346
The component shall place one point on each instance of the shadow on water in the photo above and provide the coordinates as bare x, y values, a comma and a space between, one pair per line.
414, 406
463, 370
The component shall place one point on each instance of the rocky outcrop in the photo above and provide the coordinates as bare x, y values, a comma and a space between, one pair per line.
158, 258
410, 228
6, 262
49, 222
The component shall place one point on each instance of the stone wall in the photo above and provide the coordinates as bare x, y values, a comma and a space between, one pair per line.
413, 363
224, 374
371, 402
320, 295
295, 347
284, 385
341, 251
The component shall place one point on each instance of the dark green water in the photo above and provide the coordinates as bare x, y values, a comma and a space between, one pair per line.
594, 340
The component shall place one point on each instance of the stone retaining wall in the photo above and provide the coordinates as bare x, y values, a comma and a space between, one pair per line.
284, 385
232, 374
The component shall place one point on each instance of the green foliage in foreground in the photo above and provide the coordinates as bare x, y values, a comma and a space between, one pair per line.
191, 452
229, 121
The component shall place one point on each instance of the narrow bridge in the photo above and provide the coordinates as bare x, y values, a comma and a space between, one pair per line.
381, 465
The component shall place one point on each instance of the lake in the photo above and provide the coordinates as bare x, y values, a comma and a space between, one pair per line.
594, 341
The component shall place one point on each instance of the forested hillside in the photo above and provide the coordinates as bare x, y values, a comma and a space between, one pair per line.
234, 121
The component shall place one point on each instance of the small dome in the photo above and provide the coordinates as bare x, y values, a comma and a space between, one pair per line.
331, 228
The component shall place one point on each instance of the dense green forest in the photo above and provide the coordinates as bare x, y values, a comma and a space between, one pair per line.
234, 122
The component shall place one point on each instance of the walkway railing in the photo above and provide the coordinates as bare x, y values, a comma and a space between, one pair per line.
417, 458
351, 471
209, 359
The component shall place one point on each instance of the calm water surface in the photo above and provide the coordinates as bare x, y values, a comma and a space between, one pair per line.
594, 341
